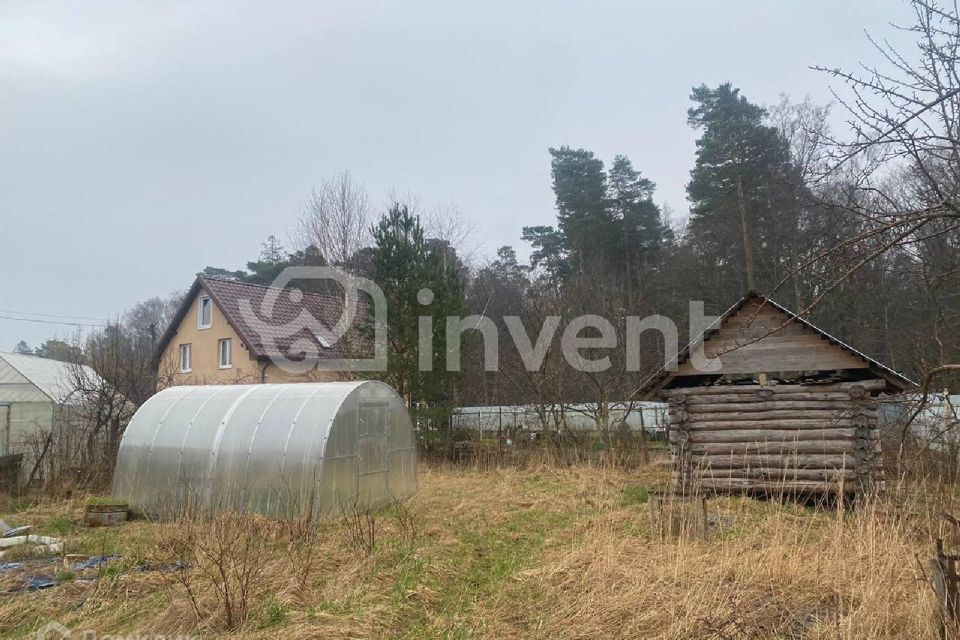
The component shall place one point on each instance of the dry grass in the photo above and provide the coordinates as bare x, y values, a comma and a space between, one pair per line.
535, 553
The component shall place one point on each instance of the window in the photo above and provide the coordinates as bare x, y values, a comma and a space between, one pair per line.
205, 313
185, 358
226, 357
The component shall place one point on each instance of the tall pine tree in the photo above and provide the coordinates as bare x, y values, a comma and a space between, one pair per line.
743, 193
606, 222
642, 232
580, 188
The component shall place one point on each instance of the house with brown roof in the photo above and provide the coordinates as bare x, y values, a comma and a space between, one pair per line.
230, 332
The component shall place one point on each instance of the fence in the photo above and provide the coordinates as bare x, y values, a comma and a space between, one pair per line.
520, 436
636, 416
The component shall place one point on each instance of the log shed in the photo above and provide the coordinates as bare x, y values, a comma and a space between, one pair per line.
790, 409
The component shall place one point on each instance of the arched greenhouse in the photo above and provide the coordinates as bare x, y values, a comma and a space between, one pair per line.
275, 449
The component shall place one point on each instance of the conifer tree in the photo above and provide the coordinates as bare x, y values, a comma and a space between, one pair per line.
403, 264
743, 192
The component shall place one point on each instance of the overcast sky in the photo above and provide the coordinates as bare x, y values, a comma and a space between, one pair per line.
140, 142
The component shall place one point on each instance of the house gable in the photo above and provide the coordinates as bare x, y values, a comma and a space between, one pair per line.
204, 347
274, 322
267, 326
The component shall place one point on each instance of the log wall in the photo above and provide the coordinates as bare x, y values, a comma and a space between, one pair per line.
789, 438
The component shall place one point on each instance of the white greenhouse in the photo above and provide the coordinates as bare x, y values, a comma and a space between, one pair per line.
274, 449
40, 410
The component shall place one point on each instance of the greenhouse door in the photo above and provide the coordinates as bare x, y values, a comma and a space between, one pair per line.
373, 464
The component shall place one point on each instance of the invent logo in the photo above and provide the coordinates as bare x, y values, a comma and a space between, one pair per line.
294, 345
54, 630
272, 331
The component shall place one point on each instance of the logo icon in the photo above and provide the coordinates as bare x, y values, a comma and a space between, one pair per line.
52, 630
296, 345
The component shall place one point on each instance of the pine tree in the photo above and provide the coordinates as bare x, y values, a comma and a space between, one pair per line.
584, 220
743, 192
507, 269
270, 265
403, 264
550, 252
605, 221
23, 348
642, 233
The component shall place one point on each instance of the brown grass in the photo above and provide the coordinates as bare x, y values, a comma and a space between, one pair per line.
540, 553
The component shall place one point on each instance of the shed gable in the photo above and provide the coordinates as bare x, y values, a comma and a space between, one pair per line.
760, 338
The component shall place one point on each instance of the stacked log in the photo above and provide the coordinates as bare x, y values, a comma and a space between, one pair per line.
790, 438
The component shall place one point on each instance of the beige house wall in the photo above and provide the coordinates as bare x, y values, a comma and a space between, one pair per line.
205, 366
274, 373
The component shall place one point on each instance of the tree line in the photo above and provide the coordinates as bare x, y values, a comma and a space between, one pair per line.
856, 230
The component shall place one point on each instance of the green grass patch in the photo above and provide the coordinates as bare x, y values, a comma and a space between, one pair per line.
274, 612
634, 494
60, 526
408, 578
105, 501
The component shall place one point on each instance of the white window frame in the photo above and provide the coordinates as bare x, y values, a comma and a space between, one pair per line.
186, 348
229, 352
204, 301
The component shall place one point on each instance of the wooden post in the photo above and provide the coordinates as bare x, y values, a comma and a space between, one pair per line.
945, 581
866, 460
678, 515
679, 436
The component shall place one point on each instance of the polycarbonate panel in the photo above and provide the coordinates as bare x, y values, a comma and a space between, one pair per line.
159, 474
196, 444
302, 452
264, 464
132, 467
231, 448
273, 449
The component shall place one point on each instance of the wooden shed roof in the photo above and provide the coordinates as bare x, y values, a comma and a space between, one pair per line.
756, 335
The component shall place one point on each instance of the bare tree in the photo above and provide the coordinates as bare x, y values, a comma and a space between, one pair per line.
448, 224
900, 171
335, 218
407, 199
805, 127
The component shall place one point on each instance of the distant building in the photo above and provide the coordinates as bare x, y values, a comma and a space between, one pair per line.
39, 408
229, 332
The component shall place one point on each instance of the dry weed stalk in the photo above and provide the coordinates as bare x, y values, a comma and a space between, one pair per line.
406, 521
361, 525
218, 564
780, 571
302, 533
